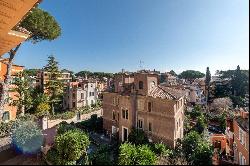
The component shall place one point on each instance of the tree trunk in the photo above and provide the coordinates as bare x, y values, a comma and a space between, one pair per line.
5, 84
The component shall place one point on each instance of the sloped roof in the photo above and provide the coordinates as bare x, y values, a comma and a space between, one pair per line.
166, 93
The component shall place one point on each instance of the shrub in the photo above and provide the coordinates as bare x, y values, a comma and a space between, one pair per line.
101, 156
64, 116
137, 137
52, 156
27, 117
27, 137
71, 146
5, 128
162, 150
64, 127
93, 124
136, 155
42, 109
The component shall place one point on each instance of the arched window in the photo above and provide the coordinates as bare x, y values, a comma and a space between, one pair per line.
140, 85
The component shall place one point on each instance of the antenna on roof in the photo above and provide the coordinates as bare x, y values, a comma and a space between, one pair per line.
141, 64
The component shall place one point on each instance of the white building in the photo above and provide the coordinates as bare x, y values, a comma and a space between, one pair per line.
79, 94
195, 94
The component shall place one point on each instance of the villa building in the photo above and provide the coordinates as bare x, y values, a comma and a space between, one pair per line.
139, 101
80, 94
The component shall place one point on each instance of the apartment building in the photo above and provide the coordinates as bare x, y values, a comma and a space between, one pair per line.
80, 94
10, 111
43, 77
241, 138
139, 101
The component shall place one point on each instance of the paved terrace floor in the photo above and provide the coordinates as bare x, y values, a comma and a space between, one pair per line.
23, 160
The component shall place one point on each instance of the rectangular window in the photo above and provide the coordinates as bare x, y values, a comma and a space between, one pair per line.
74, 95
82, 95
113, 115
150, 126
241, 136
124, 134
118, 101
149, 106
140, 85
140, 124
74, 104
123, 114
90, 93
114, 101
126, 114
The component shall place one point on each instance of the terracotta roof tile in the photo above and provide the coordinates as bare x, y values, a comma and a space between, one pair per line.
166, 92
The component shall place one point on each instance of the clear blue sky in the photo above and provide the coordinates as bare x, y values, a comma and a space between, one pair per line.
108, 35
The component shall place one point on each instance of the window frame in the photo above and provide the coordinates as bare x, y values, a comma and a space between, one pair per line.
150, 128
151, 106
126, 112
113, 115
141, 85
140, 123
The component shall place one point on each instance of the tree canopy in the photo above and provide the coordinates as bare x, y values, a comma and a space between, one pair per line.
172, 72
239, 81
71, 145
54, 86
191, 74
31, 72
136, 155
42, 25
24, 92
99, 75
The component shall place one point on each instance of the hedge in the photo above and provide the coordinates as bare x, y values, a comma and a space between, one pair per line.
64, 116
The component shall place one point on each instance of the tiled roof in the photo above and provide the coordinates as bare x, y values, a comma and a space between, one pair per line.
166, 92
243, 123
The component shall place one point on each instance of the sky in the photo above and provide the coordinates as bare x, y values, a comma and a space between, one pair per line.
110, 35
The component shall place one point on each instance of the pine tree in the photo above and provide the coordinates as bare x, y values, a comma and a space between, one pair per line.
42, 26
207, 82
237, 81
54, 86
